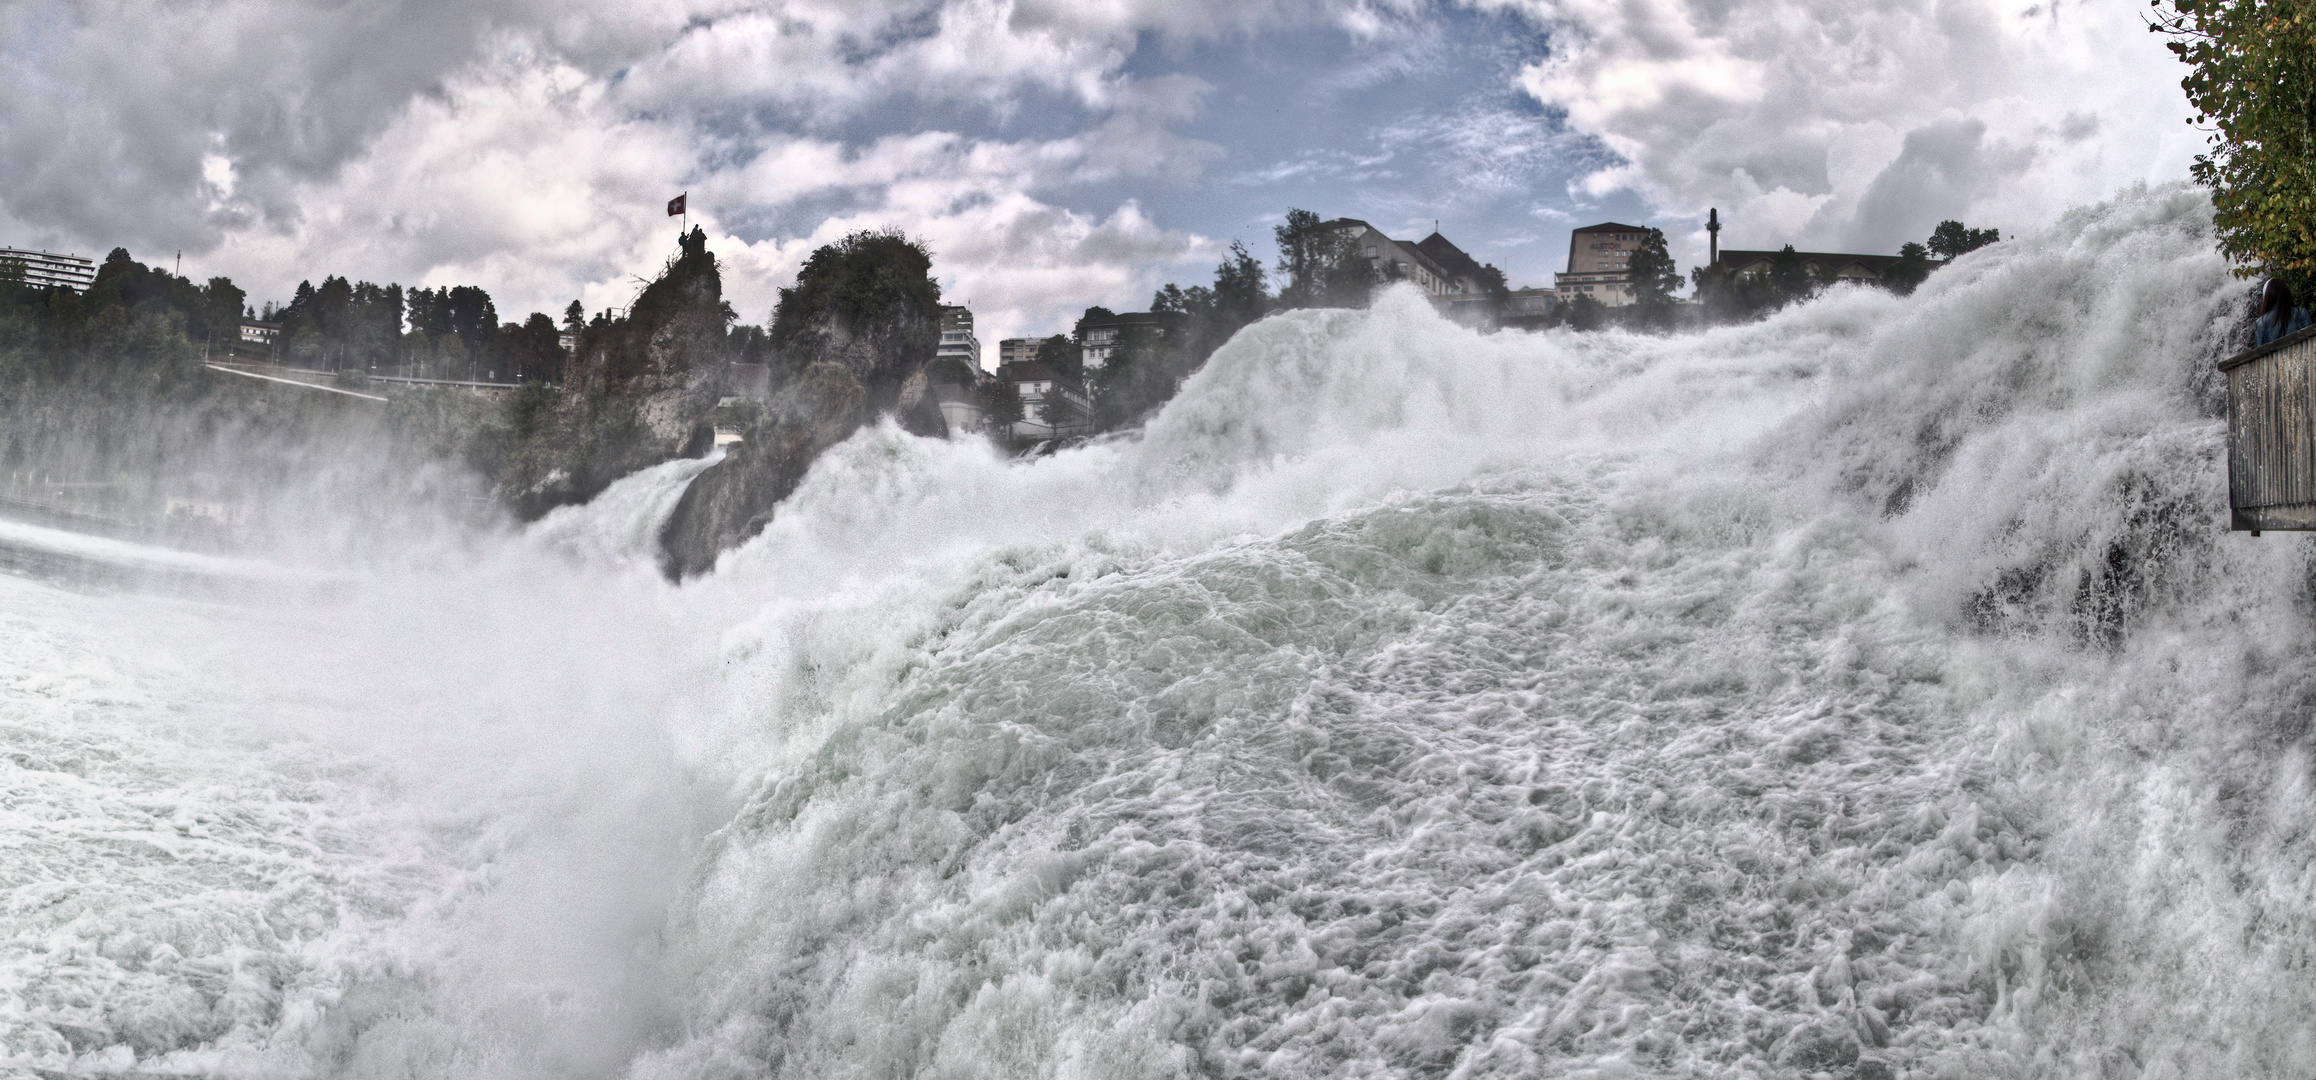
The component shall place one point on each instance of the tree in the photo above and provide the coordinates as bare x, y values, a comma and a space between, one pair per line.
1060, 412
2252, 79
1908, 273
1654, 279
1242, 291
1654, 276
868, 300
1000, 403
1580, 312
532, 349
869, 303
1952, 238
1060, 354
221, 304
1791, 278
575, 318
1321, 264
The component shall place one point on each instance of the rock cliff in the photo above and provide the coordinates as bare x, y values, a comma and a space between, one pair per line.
853, 337
638, 393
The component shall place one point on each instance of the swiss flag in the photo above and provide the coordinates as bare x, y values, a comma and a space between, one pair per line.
676, 205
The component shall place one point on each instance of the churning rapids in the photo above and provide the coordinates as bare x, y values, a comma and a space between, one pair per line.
1873, 691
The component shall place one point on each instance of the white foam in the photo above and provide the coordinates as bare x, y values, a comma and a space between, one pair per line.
1873, 682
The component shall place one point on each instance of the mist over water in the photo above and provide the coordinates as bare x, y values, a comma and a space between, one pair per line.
1872, 691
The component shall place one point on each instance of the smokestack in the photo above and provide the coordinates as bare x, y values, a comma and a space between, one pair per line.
1713, 237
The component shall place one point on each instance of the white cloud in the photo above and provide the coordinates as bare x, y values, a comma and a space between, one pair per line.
528, 146
1832, 123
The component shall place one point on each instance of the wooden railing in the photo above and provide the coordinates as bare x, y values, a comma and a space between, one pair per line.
2272, 435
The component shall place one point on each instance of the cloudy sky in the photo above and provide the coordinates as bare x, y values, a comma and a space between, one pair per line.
1053, 153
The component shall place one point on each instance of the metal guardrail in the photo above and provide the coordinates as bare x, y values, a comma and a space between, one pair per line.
2272, 435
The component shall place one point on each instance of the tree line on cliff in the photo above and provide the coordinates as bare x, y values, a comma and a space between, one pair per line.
108, 418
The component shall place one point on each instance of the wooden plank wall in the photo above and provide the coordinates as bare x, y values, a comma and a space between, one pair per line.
2272, 435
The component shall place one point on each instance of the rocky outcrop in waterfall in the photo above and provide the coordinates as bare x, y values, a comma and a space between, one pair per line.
853, 337
638, 393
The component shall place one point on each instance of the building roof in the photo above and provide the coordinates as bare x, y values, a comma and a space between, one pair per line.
1451, 258
1133, 318
1732, 260
1032, 371
1611, 226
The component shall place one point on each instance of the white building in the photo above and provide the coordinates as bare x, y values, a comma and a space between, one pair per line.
957, 340
43, 269
1437, 267
1038, 384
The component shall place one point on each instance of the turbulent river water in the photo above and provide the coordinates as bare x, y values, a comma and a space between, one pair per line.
1873, 691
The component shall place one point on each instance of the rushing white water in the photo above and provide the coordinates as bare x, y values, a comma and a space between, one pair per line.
1873, 691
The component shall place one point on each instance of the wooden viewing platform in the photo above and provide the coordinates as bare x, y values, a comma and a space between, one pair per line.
2272, 435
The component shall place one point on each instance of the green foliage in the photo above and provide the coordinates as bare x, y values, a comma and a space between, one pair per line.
2252, 79
133, 318
1061, 412
1654, 276
1952, 238
1322, 266
1059, 353
532, 350
1580, 312
872, 284
1211, 314
751, 345
1911, 269
1142, 372
1731, 298
1000, 403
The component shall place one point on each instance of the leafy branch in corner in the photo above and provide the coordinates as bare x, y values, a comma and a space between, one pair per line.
2252, 81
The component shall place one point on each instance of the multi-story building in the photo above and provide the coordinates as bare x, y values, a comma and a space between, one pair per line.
1040, 385
1101, 339
1017, 350
1433, 264
47, 269
1600, 263
957, 340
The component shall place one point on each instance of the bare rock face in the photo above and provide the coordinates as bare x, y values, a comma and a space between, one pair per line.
733, 499
638, 393
854, 336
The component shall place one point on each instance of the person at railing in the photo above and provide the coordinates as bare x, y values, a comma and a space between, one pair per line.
2278, 317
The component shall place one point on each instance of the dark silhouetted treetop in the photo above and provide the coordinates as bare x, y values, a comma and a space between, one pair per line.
864, 283
1654, 276
1058, 353
1952, 238
1911, 269
1321, 264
